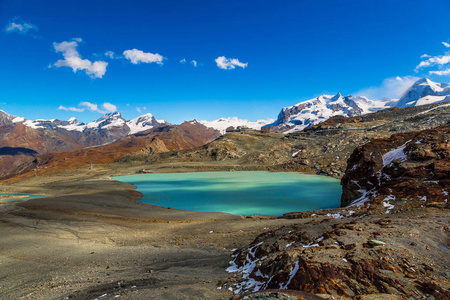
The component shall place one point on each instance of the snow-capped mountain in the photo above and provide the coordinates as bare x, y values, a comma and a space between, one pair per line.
108, 122
314, 111
424, 91
223, 123
143, 122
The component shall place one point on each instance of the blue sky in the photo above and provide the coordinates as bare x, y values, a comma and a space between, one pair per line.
285, 52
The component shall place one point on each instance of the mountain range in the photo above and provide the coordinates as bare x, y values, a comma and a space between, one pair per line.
108, 121
313, 111
290, 119
22, 140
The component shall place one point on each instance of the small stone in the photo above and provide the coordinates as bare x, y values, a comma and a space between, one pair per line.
376, 243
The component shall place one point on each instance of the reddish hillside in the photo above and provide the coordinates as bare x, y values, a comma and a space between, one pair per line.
161, 139
20, 144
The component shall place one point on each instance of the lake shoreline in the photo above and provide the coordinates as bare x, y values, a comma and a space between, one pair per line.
241, 192
91, 233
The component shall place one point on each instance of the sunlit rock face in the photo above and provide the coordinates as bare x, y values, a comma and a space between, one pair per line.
412, 167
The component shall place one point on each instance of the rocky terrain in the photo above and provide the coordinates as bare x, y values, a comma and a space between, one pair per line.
391, 236
409, 169
405, 256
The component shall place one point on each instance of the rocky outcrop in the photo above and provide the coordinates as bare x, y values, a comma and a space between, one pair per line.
348, 258
412, 167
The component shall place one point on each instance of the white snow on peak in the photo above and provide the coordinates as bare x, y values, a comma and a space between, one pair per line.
18, 120
424, 91
314, 111
109, 120
74, 125
33, 124
223, 123
142, 123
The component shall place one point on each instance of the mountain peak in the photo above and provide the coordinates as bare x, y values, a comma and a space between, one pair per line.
423, 80
336, 97
114, 114
424, 91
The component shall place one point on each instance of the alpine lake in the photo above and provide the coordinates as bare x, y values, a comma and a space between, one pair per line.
244, 192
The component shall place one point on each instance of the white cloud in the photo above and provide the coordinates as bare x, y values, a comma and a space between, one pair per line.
72, 59
439, 60
70, 108
441, 73
183, 61
20, 26
109, 107
393, 88
229, 63
92, 107
194, 62
434, 60
137, 56
141, 109
110, 54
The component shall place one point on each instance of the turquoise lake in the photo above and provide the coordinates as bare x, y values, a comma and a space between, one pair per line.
252, 192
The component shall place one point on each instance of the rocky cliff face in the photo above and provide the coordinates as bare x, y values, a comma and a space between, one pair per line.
412, 167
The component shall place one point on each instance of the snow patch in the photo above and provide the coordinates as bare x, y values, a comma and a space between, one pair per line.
387, 204
395, 154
